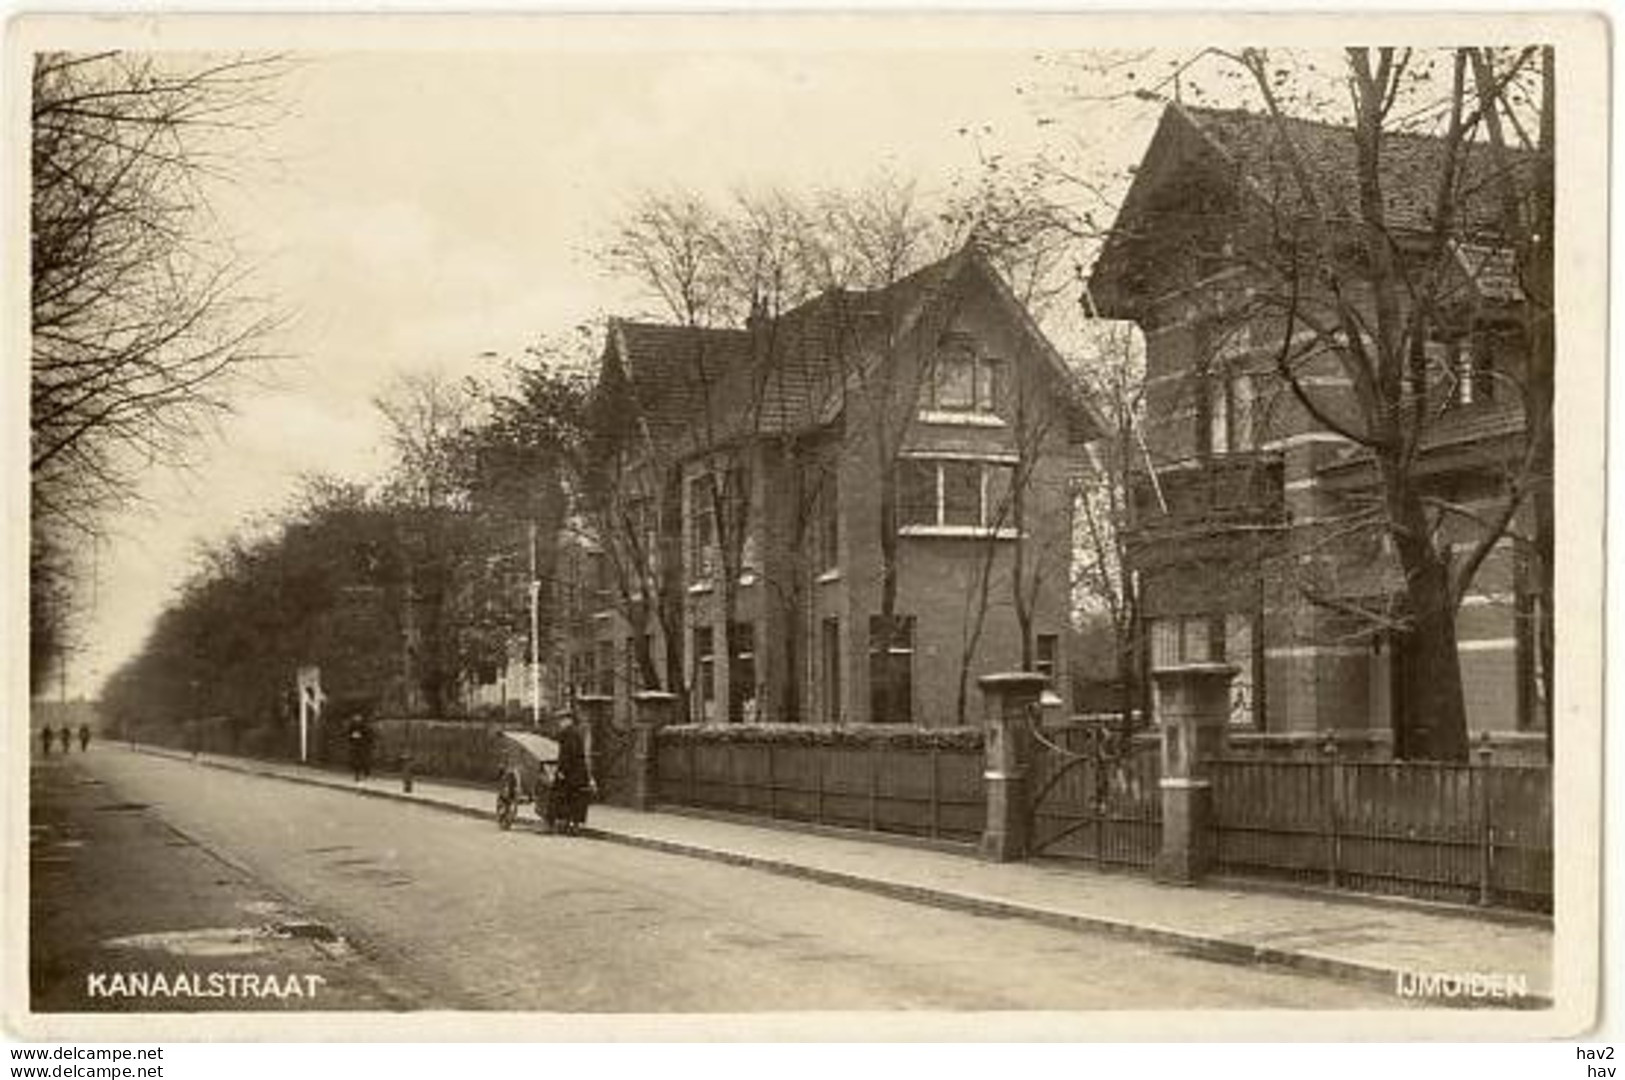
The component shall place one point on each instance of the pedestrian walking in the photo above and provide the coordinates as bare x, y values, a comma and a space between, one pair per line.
359, 737
573, 784
84, 737
45, 736
67, 738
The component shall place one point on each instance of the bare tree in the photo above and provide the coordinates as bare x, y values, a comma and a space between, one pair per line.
1350, 291
858, 251
1354, 288
808, 277
140, 312
429, 420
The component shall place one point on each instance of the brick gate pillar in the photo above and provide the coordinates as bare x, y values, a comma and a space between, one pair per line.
651, 711
594, 712
1193, 712
1009, 706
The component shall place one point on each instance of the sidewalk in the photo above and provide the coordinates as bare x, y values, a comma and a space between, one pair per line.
1368, 942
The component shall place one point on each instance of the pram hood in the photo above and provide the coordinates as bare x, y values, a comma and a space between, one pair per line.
538, 747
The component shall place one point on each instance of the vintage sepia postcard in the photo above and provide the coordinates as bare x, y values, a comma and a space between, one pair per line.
804, 526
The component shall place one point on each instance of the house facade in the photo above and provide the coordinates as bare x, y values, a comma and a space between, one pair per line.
1258, 530
843, 514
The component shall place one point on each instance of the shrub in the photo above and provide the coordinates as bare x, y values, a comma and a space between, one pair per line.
859, 736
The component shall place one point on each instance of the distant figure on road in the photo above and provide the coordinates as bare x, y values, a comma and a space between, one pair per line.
84, 737
359, 737
67, 738
573, 786
46, 735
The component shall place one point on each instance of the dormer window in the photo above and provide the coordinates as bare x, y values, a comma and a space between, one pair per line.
965, 382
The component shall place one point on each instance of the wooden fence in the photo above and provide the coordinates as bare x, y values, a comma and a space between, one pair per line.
917, 791
1108, 812
1460, 833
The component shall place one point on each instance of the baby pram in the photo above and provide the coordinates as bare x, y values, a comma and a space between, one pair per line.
529, 768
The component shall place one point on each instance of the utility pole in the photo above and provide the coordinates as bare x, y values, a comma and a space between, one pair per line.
535, 635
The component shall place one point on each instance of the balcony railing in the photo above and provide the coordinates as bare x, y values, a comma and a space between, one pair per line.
1225, 490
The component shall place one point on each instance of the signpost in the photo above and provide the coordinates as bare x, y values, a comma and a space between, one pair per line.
311, 699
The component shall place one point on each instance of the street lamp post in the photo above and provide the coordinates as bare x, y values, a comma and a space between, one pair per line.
535, 636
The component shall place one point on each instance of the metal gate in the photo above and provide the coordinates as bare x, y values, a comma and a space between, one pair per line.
1095, 794
612, 760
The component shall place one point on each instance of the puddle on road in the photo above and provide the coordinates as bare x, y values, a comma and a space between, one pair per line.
218, 941
205, 942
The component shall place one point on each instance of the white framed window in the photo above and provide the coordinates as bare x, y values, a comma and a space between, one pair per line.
964, 384
955, 496
1226, 414
705, 674
702, 527
1046, 656
891, 669
829, 522
1186, 639
1200, 639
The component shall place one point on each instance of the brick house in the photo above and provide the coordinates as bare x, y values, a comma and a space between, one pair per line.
1247, 526
930, 417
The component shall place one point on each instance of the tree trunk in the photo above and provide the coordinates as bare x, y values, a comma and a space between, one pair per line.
1431, 720
1542, 350
888, 583
670, 601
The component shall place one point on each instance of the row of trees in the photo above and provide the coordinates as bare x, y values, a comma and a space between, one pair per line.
413, 588
142, 316
401, 592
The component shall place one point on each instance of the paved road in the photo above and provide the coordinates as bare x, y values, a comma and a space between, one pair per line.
481, 919
118, 895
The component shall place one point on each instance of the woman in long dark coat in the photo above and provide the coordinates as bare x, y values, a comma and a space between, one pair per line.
573, 784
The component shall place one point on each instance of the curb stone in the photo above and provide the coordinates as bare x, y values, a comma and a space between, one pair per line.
1204, 946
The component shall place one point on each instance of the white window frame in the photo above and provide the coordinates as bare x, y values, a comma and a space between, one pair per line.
985, 373
940, 527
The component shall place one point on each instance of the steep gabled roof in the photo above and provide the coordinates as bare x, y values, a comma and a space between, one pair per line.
672, 369
786, 374
1251, 154
1409, 169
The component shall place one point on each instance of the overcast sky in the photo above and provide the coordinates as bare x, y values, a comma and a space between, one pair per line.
418, 210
